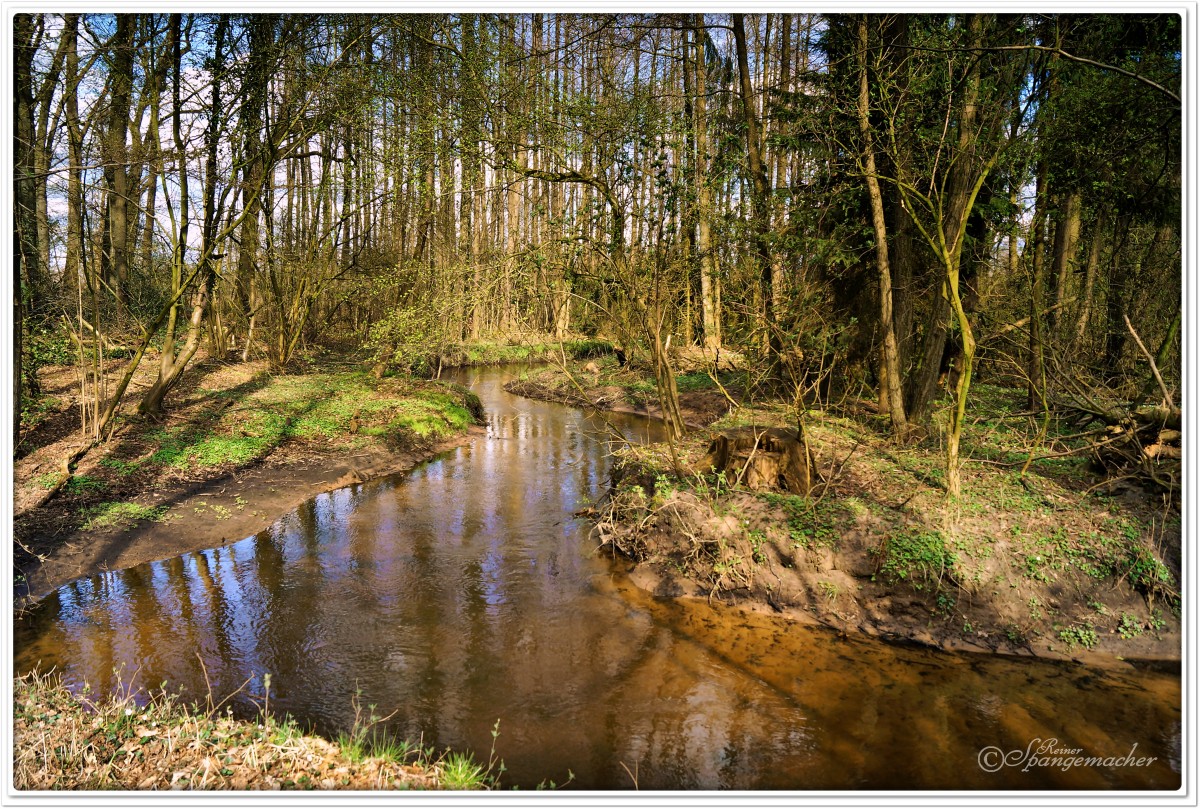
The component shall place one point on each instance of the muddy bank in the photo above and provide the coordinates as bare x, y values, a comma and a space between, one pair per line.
864, 562
203, 514
239, 449
1055, 562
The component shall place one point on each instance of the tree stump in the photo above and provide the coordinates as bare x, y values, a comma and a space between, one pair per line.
761, 459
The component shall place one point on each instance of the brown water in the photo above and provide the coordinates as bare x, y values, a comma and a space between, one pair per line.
464, 593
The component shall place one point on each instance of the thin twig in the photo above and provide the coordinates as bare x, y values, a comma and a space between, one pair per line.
835, 474
1153, 365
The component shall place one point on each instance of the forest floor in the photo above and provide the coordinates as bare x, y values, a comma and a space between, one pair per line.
1055, 562
237, 448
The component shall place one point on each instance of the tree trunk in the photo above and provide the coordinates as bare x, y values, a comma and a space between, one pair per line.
171, 367
923, 384
760, 197
889, 384
26, 252
1037, 294
1066, 240
43, 155
117, 159
710, 290
1095, 251
258, 74
966, 181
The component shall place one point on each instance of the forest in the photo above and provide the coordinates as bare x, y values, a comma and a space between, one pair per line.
950, 245
872, 200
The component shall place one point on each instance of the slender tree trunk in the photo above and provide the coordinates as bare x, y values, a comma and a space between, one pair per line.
760, 198
117, 159
1066, 241
1037, 293
890, 395
43, 154
1092, 269
26, 251
151, 403
258, 74
965, 183
710, 283
75, 257
171, 367
1116, 294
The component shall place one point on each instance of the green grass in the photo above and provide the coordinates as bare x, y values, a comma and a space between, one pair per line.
641, 386
120, 465
358, 746
697, 380
588, 348
318, 406
1000, 492
34, 410
119, 515
500, 352
763, 415
59, 730
461, 771
185, 448
79, 484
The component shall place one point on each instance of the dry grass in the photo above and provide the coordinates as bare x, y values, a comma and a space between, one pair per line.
137, 741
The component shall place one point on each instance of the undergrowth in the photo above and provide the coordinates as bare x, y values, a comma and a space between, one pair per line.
68, 739
919, 557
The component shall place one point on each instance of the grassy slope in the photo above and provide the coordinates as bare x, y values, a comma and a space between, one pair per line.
238, 415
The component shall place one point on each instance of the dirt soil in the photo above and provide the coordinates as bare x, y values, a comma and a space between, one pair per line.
691, 550
195, 508
1055, 563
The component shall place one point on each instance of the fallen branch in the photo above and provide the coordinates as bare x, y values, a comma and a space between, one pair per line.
1153, 365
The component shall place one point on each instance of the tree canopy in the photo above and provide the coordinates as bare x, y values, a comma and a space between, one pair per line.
866, 202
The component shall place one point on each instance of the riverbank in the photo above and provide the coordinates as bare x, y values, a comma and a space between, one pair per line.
238, 448
1054, 561
122, 741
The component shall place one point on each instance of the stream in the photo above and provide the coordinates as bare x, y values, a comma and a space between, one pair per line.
464, 593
